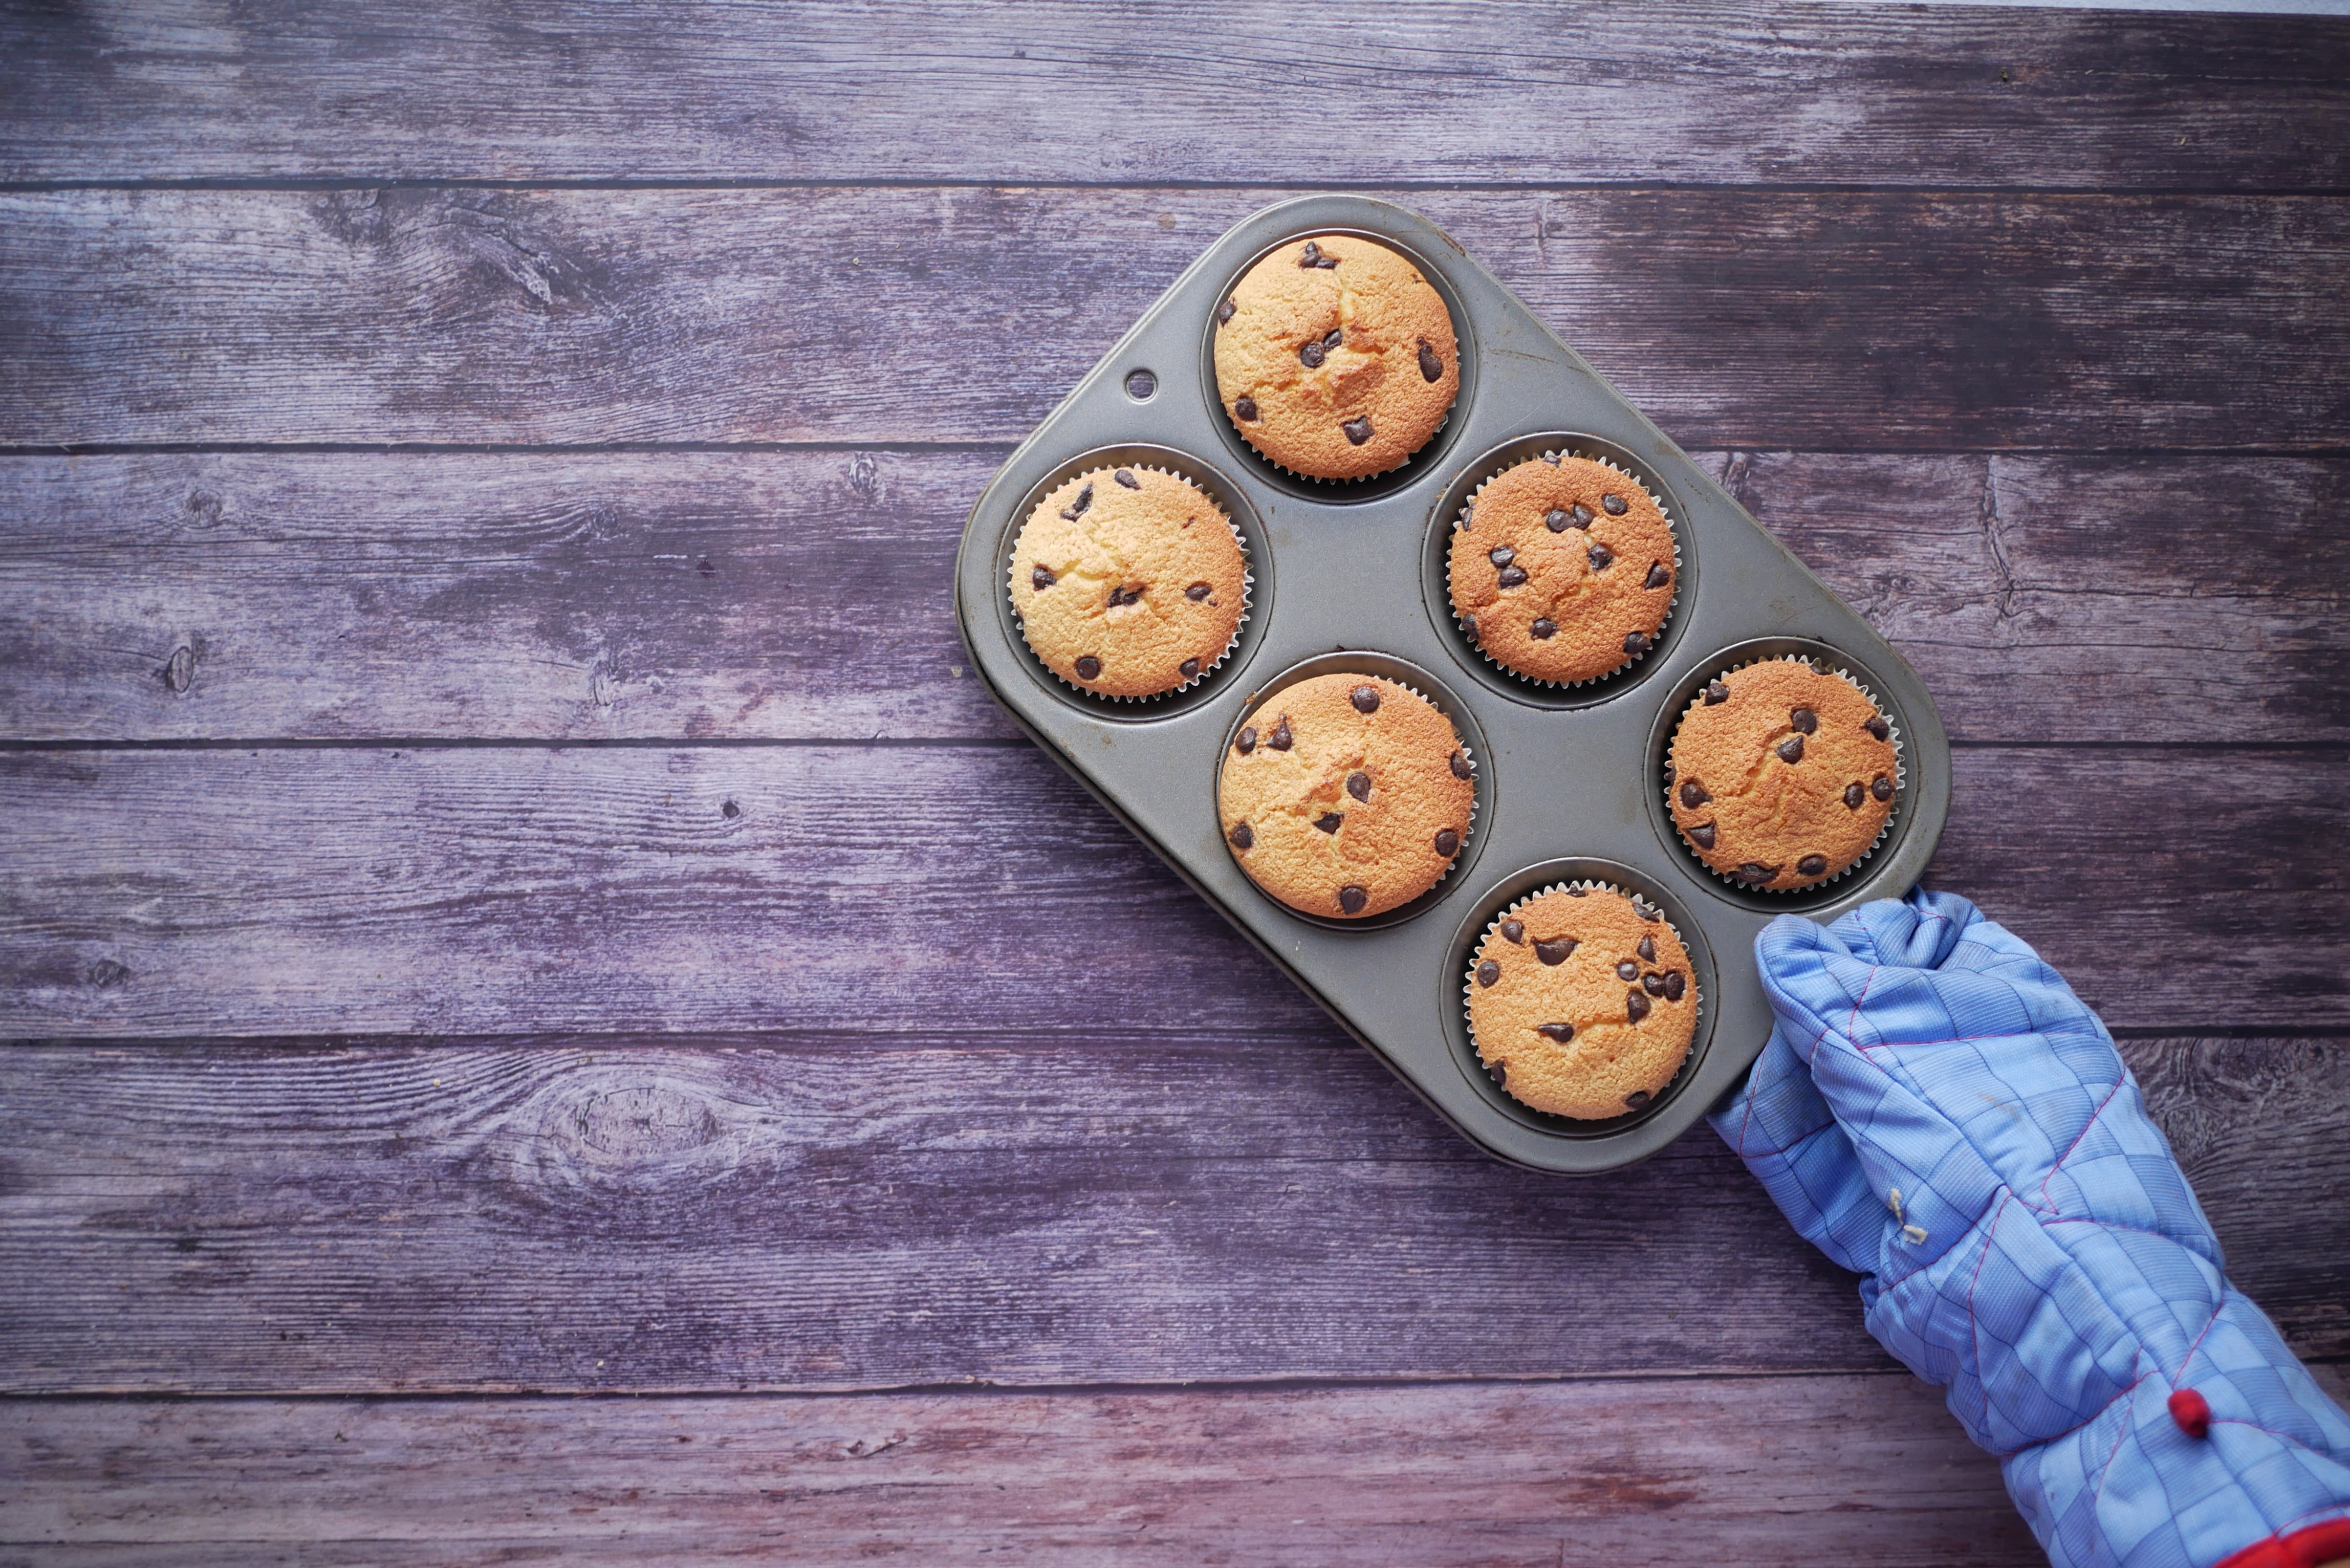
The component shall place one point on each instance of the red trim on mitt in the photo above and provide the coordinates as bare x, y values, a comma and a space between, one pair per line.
2310, 1548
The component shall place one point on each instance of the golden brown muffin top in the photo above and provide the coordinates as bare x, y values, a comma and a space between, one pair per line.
1336, 359
1585, 1005
1346, 795
1782, 775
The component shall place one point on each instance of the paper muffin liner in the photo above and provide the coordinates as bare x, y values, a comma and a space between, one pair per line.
1248, 584
1900, 776
1468, 831
1552, 457
1647, 909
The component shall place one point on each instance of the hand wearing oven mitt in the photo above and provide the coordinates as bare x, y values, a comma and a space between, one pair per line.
1937, 1110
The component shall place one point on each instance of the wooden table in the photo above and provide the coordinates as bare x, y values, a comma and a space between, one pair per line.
550, 1015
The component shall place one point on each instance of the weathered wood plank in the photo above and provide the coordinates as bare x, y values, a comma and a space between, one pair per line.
1854, 1468
1682, 92
652, 1215
492, 890
695, 595
1840, 320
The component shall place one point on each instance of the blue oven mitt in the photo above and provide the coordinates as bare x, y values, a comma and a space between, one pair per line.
1937, 1111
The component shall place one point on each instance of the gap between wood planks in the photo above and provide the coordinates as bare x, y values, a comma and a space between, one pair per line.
726, 1212
560, 319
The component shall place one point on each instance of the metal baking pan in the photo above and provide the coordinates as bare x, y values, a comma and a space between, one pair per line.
1570, 780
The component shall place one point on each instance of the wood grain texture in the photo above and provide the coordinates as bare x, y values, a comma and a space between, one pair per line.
1133, 95
837, 1212
493, 890
1857, 1468
1854, 320
725, 596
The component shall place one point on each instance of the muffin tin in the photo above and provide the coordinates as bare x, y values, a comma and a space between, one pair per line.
1350, 576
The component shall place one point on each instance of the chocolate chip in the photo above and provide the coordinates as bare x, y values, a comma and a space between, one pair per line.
1513, 931
1077, 509
1352, 897
1448, 843
1366, 699
1693, 793
1328, 822
1123, 596
1658, 576
1511, 576
1562, 1033
1636, 1006
1675, 984
1577, 892
1805, 720
1502, 557
1600, 555
1716, 693
1126, 476
1358, 428
1244, 409
1225, 312
1812, 866
1702, 835
1582, 515
1555, 951
1637, 1098
1314, 257
1877, 727
1616, 504
1646, 912
1791, 750
1853, 795
1648, 949
1556, 521
1755, 871
1460, 768
1246, 742
1500, 1069
1543, 629
1470, 621
1635, 642
1198, 591
1431, 369
1881, 787
1311, 355
1281, 740
1242, 836
1653, 983
1042, 579
1358, 785
1628, 969
1088, 668
1487, 973
1189, 668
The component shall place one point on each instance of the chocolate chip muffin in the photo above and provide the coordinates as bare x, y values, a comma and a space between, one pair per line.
1782, 775
1346, 795
1336, 359
1582, 1002
1562, 569
1129, 581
